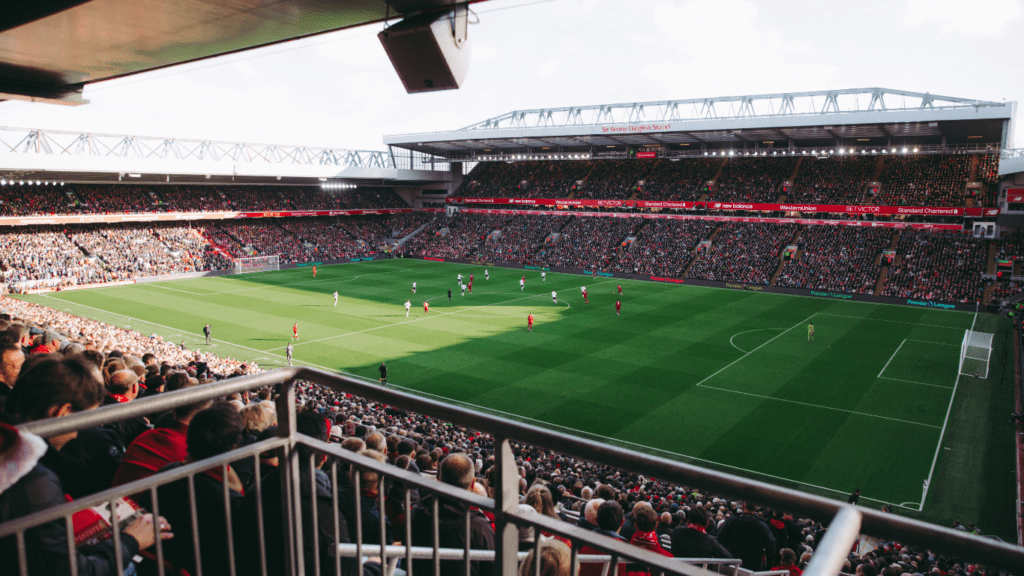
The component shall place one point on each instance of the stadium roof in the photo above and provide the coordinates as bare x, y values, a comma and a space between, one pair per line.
57, 155
855, 117
50, 49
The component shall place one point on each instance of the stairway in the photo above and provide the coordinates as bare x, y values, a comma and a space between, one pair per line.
990, 261
694, 259
975, 164
782, 260
986, 295
796, 169
719, 171
409, 236
883, 273
878, 168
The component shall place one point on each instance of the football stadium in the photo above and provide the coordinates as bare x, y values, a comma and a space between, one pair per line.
767, 334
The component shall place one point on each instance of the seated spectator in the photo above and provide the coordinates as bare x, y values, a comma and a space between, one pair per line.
455, 470
58, 388
213, 431
691, 540
555, 560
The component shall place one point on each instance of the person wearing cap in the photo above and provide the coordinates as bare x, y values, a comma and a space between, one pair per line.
48, 343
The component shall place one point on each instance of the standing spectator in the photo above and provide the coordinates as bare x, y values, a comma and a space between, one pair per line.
746, 537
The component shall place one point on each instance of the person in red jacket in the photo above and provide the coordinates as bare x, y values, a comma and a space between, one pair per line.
646, 520
789, 563
529, 323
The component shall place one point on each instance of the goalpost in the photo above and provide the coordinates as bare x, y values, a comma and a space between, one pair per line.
975, 352
257, 264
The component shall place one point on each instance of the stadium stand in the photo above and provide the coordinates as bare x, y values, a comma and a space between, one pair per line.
937, 180
685, 179
664, 247
833, 180
743, 252
590, 243
558, 179
937, 265
499, 180
837, 258
752, 179
117, 199
615, 179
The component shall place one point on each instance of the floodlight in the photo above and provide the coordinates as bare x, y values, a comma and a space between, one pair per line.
915, 150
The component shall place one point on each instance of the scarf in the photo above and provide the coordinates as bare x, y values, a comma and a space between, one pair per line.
698, 528
121, 399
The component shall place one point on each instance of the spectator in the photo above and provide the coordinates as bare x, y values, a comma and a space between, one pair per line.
213, 431
691, 540
456, 470
747, 537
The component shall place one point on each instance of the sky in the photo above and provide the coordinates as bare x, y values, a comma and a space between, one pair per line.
340, 90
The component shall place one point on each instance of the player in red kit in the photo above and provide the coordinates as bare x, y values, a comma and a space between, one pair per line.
529, 323
585, 301
470, 286
426, 307
295, 331
619, 286
618, 308
314, 271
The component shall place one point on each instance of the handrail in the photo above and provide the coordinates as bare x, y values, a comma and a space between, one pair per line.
886, 526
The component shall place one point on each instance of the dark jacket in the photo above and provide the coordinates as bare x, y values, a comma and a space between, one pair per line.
46, 546
452, 534
746, 537
691, 543
127, 430
370, 513
86, 464
213, 528
246, 526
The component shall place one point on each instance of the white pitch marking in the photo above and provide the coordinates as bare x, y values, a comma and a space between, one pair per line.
820, 406
748, 332
755, 349
893, 321
891, 357
915, 382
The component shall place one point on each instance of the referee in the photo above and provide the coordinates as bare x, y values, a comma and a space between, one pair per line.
206, 332
383, 374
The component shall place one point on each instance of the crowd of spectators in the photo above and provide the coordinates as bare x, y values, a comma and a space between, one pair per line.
1010, 246
589, 242
45, 200
1006, 289
837, 258
929, 180
752, 179
74, 364
937, 266
264, 237
834, 180
558, 179
44, 257
519, 238
683, 179
664, 247
615, 179
499, 180
743, 252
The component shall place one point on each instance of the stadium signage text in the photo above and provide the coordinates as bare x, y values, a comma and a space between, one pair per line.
636, 128
745, 287
930, 304
1015, 195
673, 280
433, 259
305, 264
534, 267
823, 208
832, 295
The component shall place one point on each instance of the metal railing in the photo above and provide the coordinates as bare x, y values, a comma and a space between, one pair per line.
843, 530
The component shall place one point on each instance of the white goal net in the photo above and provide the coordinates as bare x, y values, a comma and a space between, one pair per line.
257, 264
975, 352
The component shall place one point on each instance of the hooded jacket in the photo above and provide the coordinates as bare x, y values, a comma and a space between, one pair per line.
746, 537
692, 543
452, 534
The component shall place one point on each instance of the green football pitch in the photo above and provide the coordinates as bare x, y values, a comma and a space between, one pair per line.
721, 378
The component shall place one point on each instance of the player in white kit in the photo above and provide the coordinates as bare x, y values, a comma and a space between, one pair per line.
522, 284
543, 276
413, 287
408, 305
554, 297
335, 298
463, 286
486, 275
460, 278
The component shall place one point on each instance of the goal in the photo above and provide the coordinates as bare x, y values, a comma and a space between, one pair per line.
257, 264
975, 352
